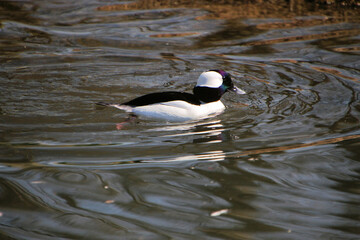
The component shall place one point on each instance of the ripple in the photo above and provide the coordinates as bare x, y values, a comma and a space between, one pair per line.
280, 162
71, 177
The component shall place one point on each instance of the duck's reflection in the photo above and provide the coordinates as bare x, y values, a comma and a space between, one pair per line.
203, 133
212, 156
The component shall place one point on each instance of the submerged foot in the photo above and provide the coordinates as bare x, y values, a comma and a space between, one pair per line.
131, 119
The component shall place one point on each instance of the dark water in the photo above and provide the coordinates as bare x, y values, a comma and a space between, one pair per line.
282, 162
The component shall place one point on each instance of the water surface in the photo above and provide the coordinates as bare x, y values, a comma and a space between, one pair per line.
282, 162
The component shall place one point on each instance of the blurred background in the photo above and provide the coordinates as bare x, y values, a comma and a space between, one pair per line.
282, 161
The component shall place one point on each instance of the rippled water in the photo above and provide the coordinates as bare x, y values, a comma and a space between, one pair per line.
282, 162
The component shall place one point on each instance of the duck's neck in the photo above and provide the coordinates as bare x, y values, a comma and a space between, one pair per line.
206, 94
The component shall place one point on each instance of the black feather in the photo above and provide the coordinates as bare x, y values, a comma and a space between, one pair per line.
159, 97
103, 104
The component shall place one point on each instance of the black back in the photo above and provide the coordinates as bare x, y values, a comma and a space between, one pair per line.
153, 98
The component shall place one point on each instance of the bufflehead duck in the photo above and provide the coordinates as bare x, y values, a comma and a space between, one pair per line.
182, 106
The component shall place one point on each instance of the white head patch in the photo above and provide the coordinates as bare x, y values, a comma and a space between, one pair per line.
210, 79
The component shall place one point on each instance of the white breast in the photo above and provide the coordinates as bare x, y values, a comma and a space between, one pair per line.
179, 111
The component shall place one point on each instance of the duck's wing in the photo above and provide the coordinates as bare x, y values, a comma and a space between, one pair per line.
162, 97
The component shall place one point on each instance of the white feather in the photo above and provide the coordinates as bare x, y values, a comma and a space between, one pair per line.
122, 107
210, 79
178, 111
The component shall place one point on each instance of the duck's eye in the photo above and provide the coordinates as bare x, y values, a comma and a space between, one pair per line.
227, 80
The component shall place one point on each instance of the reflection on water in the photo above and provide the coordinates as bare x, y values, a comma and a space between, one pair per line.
282, 162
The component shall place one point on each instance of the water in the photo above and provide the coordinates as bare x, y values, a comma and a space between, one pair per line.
282, 162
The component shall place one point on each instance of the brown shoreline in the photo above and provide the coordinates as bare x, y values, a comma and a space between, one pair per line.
234, 9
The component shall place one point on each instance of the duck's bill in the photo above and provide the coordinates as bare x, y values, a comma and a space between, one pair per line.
237, 90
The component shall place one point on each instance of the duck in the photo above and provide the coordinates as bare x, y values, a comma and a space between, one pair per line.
172, 106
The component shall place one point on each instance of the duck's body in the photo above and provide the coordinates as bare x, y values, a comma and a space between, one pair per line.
182, 106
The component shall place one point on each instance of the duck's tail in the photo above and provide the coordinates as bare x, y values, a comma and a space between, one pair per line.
116, 105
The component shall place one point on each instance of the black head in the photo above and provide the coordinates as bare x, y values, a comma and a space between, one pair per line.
213, 84
228, 84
